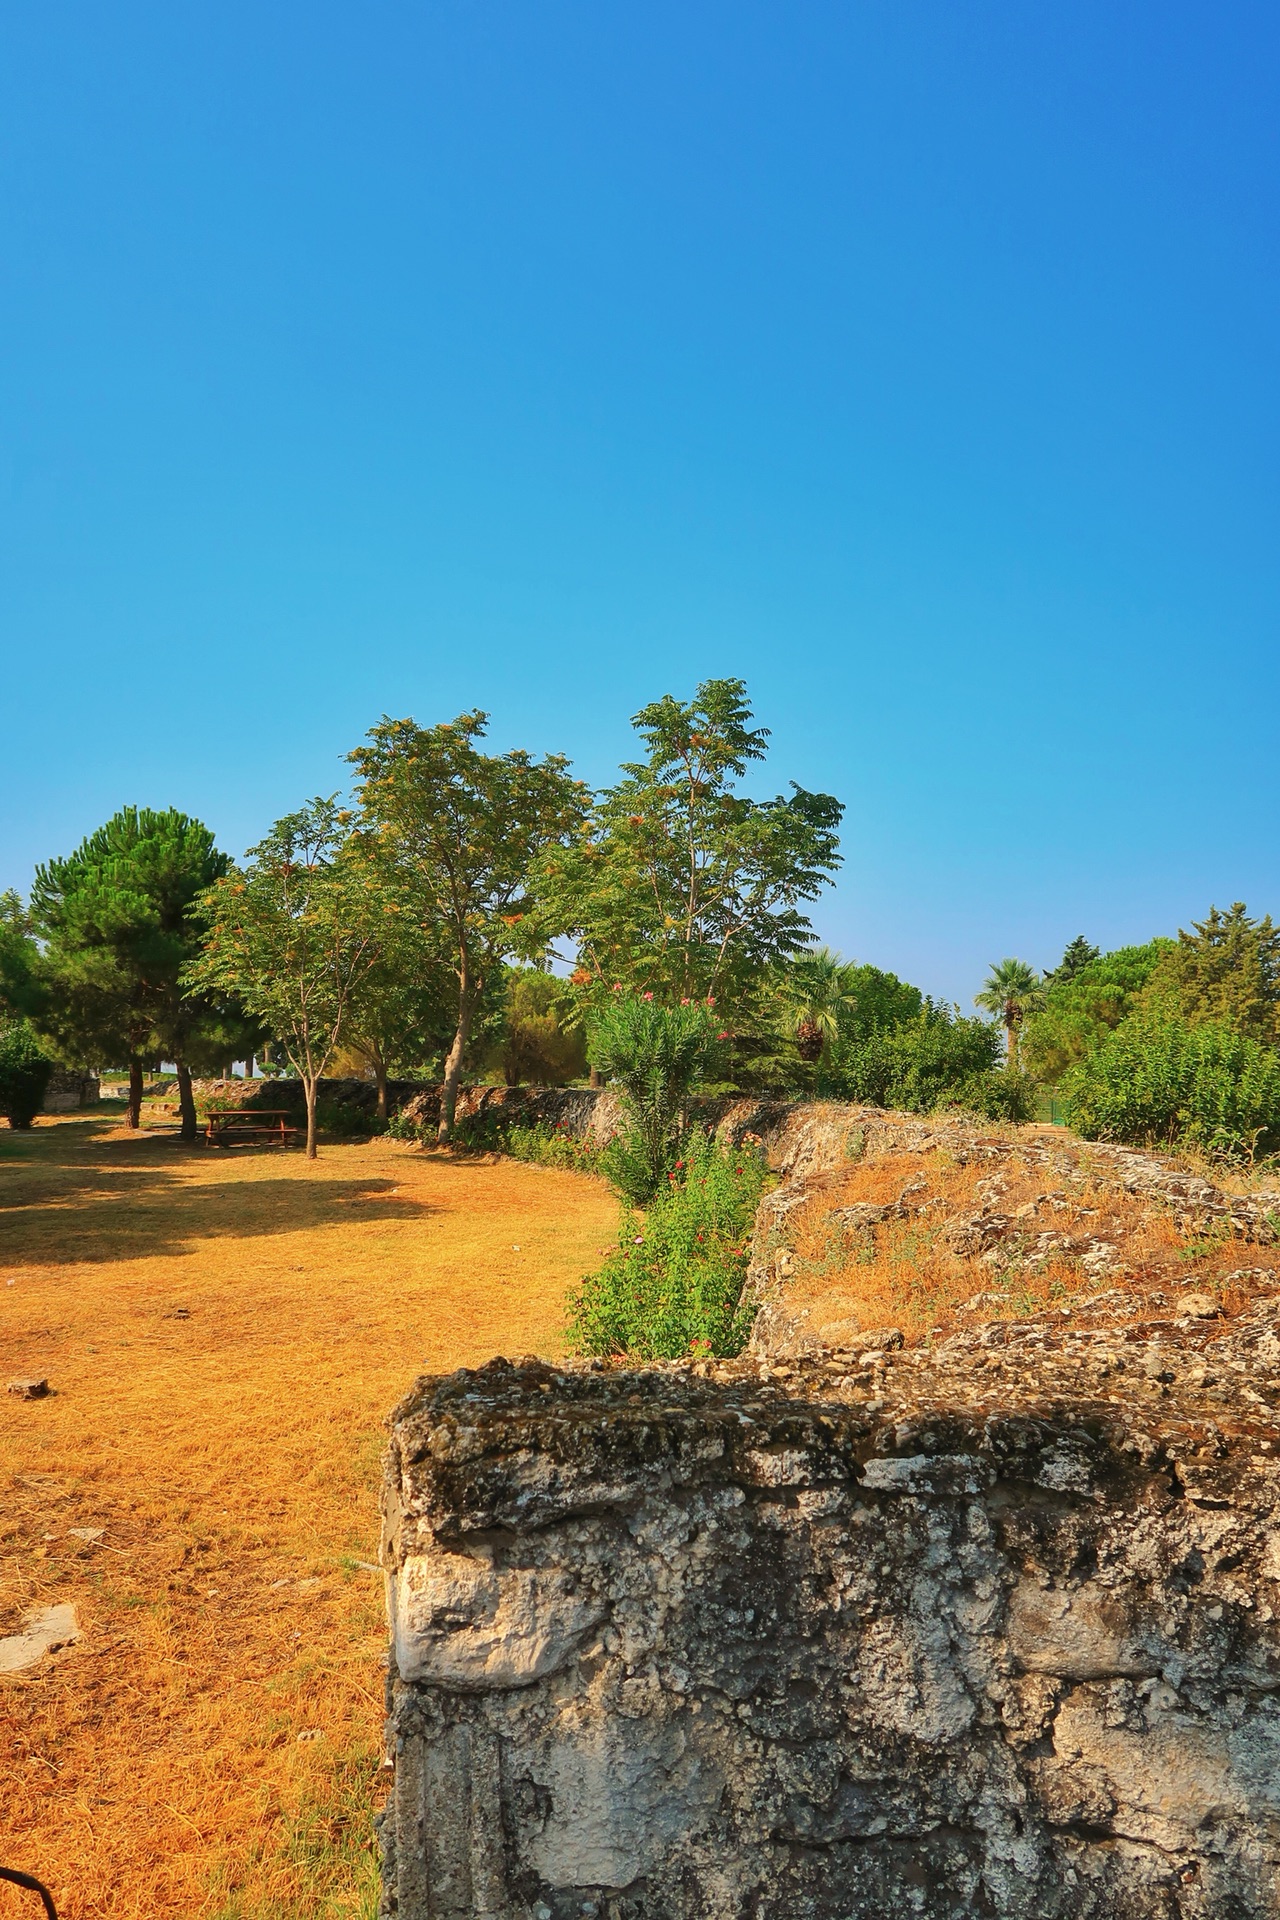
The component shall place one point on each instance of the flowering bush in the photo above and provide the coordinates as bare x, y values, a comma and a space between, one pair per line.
674, 1284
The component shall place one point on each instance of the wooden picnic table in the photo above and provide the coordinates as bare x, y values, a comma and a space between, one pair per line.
251, 1122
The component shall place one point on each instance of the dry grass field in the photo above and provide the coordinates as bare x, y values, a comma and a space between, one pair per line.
224, 1333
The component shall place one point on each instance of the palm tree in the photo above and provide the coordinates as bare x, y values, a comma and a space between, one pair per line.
1012, 991
818, 990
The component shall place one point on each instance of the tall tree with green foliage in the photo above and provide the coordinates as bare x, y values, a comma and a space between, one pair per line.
542, 1043
684, 886
460, 830
401, 1016
1083, 1007
1011, 992
117, 919
20, 987
1225, 971
1078, 954
292, 936
818, 993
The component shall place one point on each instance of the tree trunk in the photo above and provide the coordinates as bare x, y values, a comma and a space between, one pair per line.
309, 1087
133, 1113
596, 1078
186, 1102
380, 1075
453, 1073
1011, 1045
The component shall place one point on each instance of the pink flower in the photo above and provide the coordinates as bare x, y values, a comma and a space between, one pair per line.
638, 1241
722, 1036
648, 996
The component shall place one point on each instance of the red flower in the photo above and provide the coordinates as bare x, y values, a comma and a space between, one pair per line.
722, 1036
648, 996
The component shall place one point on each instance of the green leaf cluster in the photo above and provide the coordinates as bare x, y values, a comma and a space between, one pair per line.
676, 1281
1084, 1003
655, 1056
680, 884
1159, 1080
25, 1068
937, 1060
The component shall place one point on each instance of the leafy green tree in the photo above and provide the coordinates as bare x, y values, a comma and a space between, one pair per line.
291, 936
1078, 954
541, 1043
24, 1073
117, 919
1225, 971
818, 993
656, 1056
20, 987
1012, 991
460, 831
936, 1061
683, 886
401, 1016
1083, 1007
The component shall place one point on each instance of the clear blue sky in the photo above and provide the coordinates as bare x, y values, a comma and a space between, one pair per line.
916, 362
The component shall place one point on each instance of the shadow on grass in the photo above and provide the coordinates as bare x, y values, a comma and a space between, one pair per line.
65, 1198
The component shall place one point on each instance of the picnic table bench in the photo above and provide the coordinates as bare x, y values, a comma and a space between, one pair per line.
265, 1123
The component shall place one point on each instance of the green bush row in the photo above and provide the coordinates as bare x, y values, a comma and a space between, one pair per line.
675, 1282
936, 1061
1158, 1081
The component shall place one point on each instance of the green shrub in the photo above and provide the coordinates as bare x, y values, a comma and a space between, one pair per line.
655, 1056
1084, 1003
1158, 1081
1001, 1093
539, 1142
936, 1060
344, 1119
24, 1074
675, 1282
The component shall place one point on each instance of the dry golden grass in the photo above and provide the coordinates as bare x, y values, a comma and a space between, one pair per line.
225, 1333
905, 1274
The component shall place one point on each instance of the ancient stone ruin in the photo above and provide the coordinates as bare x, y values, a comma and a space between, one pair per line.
987, 1626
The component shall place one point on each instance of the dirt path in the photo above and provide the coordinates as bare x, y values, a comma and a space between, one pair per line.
224, 1334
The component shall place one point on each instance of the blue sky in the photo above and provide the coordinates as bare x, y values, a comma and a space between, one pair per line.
915, 362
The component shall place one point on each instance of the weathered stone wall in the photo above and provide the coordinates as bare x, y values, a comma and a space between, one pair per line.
990, 1629
69, 1088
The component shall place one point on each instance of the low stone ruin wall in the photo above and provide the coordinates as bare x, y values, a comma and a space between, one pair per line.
987, 1629
69, 1089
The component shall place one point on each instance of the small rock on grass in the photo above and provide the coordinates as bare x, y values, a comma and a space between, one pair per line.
32, 1389
46, 1629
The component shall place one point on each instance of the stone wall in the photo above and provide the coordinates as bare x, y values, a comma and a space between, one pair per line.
990, 1629
69, 1088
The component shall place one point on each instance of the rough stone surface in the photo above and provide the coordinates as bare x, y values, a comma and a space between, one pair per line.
986, 1629
28, 1388
45, 1630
